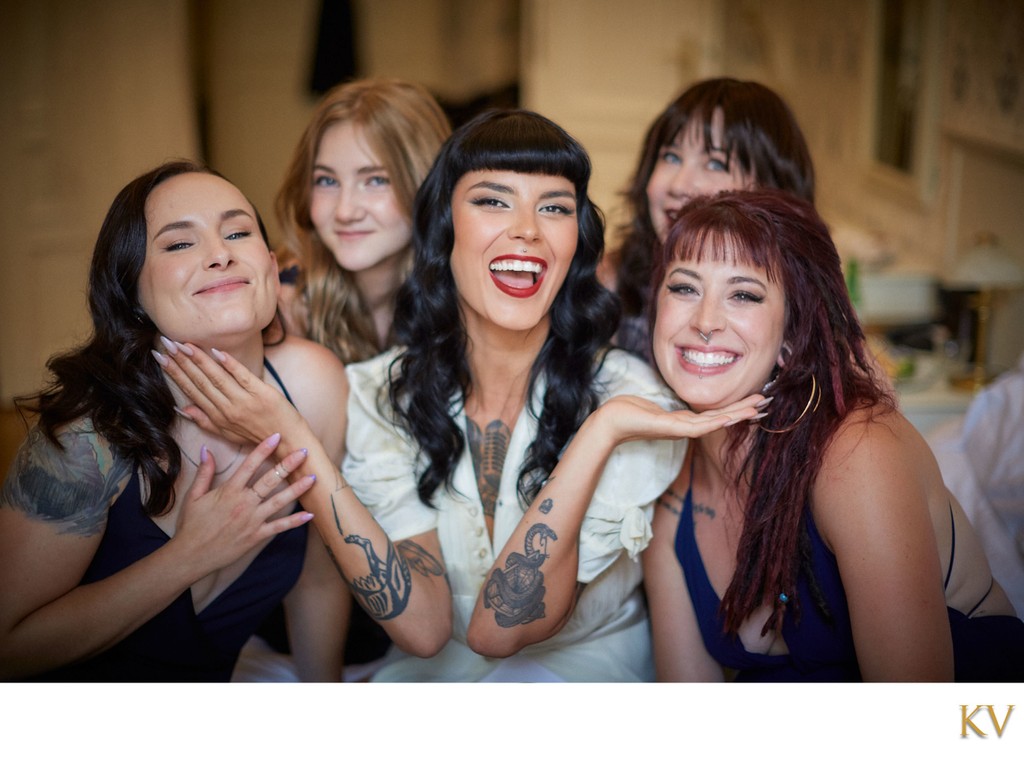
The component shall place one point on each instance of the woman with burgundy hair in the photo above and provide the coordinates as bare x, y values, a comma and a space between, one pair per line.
818, 542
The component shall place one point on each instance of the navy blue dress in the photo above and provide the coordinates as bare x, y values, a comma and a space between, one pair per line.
984, 648
177, 644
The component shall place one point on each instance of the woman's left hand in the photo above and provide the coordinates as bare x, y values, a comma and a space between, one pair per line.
227, 399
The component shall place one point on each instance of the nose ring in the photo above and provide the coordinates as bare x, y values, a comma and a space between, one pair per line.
705, 338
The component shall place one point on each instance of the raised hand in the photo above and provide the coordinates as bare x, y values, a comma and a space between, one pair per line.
226, 398
631, 418
218, 526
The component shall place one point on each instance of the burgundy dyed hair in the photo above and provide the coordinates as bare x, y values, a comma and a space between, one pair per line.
783, 235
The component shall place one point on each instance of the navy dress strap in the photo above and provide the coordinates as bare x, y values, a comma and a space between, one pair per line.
277, 377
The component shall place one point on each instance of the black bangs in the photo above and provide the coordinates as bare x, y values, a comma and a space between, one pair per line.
522, 142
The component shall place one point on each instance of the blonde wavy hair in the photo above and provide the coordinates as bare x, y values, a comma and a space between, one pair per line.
405, 127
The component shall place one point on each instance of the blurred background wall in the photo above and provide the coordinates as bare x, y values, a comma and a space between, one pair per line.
94, 92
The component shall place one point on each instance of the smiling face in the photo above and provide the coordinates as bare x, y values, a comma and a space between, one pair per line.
739, 309
686, 168
515, 236
353, 205
208, 274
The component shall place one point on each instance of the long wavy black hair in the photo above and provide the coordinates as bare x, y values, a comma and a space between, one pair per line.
113, 379
432, 370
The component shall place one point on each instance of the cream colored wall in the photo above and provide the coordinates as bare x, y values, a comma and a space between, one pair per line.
96, 91
604, 70
93, 92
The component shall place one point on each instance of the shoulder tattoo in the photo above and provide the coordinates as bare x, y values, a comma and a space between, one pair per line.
671, 501
73, 487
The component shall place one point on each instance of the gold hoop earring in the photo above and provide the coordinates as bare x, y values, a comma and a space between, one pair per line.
814, 398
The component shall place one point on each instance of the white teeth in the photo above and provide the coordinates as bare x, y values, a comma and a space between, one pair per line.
515, 265
708, 360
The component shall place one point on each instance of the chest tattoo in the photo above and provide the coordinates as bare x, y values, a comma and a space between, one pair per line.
488, 448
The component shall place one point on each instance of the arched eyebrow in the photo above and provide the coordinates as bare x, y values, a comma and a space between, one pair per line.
497, 187
362, 170
186, 224
735, 280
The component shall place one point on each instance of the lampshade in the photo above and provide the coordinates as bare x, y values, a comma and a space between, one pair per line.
986, 265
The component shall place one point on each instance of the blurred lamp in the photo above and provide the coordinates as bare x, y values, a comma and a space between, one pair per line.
986, 267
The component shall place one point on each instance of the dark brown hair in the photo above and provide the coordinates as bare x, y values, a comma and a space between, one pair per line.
760, 132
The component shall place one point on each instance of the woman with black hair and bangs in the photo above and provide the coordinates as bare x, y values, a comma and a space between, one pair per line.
490, 439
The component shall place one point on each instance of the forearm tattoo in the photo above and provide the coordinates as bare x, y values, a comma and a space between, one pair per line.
384, 591
73, 487
488, 449
517, 593
419, 559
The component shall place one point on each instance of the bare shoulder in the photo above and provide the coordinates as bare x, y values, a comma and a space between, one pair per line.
877, 471
877, 440
307, 368
316, 381
70, 485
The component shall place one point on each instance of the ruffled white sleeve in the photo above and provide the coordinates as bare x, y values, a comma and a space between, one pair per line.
380, 460
637, 473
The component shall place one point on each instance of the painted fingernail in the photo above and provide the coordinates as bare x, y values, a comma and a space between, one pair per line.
203, 453
218, 355
274, 439
306, 516
184, 349
181, 412
160, 358
312, 478
305, 452
763, 404
170, 345
760, 416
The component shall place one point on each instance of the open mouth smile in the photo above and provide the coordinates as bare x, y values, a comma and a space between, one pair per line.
706, 360
517, 276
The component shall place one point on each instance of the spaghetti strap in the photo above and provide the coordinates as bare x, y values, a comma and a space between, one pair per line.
277, 377
991, 583
952, 550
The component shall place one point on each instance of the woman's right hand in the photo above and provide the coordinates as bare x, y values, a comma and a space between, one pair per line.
218, 526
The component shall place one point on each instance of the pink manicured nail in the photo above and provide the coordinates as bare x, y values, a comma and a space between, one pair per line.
763, 404
160, 358
274, 439
218, 355
170, 345
306, 516
181, 412
203, 453
184, 349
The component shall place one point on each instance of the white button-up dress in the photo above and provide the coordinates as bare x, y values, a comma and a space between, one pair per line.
607, 637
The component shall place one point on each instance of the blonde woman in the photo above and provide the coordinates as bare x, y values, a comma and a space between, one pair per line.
345, 208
